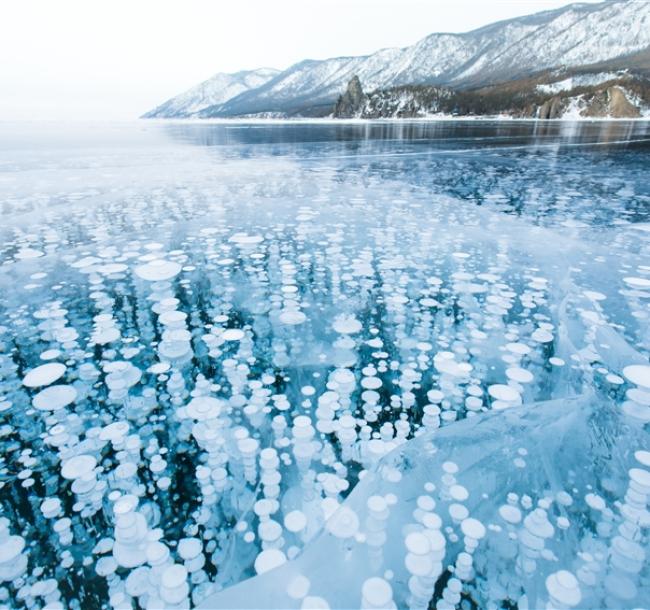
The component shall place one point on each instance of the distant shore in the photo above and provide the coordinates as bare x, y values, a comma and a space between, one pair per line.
441, 119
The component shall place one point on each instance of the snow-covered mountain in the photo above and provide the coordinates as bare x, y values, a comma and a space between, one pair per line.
216, 90
575, 35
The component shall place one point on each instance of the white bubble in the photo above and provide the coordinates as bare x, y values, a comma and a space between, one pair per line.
295, 521
44, 374
78, 466
638, 374
292, 317
158, 270
268, 560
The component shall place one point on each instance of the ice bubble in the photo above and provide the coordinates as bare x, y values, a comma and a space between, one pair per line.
595, 501
643, 457
563, 587
158, 270
268, 560
159, 368
614, 379
510, 514
106, 335
233, 334
106, 566
641, 478
28, 253
243, 239
10, 549
377, 504
595, 296
137, 582
563, 523
541, 336
87, 261
202, 408
342, 377
537, 523
298, 587
519, 375
173, 582
115, 431
113, 268
292, 317
417, 543
637, 282
295, 521
376, 592
346, 325
344, 523
638, 374
639, 396
265, 507
78, 466
371, 383
270, 531
44, 374
51, 507
458, 493
473, 528
450, 467
458, 512
504, 393
172, 317
418, 565
156, 553
54, 398
189, 548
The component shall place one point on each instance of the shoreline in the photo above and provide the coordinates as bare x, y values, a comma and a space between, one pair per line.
429, 119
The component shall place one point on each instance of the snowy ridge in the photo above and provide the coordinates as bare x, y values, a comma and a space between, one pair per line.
576, 35
216, 90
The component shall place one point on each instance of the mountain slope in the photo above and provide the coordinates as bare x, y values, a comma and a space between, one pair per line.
571, 36
216, 90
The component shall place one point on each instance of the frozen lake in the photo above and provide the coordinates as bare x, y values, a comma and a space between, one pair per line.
325, 365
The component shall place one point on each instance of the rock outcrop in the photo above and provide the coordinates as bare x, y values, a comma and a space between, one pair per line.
621, 97
619, 106
351, 104
552, 109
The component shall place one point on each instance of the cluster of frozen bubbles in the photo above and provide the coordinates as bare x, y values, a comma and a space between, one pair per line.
186, 414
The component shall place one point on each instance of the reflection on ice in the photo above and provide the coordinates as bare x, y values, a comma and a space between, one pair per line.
299, 369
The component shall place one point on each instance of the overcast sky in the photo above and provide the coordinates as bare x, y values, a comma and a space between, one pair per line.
87, 59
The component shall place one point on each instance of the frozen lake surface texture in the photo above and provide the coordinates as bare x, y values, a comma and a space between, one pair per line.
380, 365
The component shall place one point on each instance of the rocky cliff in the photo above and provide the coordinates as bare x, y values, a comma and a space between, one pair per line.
352, 102
547, 96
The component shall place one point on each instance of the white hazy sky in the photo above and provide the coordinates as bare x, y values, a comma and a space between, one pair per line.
89, 59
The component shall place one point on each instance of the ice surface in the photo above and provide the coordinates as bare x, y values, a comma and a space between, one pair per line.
488, 451
311, 366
